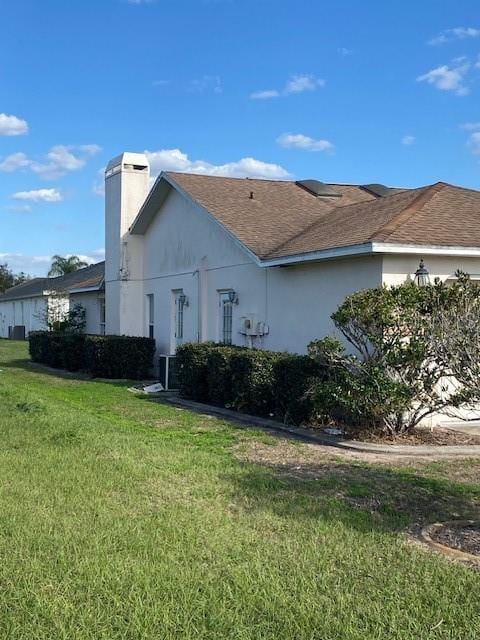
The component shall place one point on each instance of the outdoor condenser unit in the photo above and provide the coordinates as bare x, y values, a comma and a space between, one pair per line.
167, 374
17, 332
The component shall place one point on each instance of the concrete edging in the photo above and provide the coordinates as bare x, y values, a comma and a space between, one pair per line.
309, 436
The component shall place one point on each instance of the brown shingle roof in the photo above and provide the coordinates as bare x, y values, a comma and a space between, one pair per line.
277, 219
88, 277
277, 211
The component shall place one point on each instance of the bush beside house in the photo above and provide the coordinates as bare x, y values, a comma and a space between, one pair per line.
101, 356
264, 383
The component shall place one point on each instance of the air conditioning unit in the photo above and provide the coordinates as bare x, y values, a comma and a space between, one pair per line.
167, 372
17, 332
250, 325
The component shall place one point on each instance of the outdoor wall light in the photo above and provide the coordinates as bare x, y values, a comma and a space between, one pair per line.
232, 297
422, 277
183, 300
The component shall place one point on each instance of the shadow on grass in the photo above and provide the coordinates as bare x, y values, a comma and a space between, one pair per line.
363, 497
35, 367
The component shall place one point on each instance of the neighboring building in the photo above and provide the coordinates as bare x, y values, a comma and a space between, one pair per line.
28, 304
265, 263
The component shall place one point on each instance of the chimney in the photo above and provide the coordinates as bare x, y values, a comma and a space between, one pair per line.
126, 187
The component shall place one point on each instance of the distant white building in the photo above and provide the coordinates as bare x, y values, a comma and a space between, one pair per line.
265, 263
28, 304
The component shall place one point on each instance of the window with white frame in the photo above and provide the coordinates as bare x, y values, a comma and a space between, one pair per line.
180, 300
102, 316
226, 317
151, 315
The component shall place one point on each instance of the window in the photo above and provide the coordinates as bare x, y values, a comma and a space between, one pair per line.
180, 300
151, 315
226, 317
102, 316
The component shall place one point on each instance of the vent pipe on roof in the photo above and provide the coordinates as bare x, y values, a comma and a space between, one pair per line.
318, 189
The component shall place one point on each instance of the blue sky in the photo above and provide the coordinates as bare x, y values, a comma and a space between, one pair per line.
340, 90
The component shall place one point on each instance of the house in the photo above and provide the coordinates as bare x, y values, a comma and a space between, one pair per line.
264, 263
29, 304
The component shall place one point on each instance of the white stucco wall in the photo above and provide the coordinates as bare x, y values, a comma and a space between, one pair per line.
91, 302
397, 268
29, 312
184, 249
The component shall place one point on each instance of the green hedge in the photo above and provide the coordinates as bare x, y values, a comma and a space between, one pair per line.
264, 383
119, 356
101, 356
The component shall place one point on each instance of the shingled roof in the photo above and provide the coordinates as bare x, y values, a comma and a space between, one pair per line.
90, 277
281, 219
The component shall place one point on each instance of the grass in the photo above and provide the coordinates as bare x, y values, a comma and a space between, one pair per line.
123, 518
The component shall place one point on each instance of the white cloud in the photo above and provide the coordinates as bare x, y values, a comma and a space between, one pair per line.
176, 160
299, 84
343, 51
57, 162
14, 162
19, 208
266, 94
296, 84
459, 33
448, 78
39, 195
408, 140
90, 149
206, 83
470, 126
300, 141
12, 126
474, 142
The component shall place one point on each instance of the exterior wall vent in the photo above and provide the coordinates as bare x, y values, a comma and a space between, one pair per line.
318, 189
379, 190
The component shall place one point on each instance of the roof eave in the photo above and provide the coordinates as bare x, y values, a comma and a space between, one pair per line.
371, 248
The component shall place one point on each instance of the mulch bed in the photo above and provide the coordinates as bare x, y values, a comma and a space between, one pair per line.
465, 538
421, 436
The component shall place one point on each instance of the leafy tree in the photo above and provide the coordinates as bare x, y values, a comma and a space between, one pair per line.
412, 356
9, 279
58, 316
62, 265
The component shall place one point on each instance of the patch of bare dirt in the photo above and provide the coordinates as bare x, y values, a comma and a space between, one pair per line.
308, 460
464, 538
438, 436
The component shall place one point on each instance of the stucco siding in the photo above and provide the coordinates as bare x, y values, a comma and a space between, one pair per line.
185, 250
91, 302
29, 312
398, 268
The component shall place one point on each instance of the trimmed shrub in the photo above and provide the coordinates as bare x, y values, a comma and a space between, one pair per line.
264, 383
119, 356
219, 376
192, 370
102, 356
38, 346
295, 376
253, 381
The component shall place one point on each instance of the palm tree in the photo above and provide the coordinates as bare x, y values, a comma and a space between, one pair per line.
63, 265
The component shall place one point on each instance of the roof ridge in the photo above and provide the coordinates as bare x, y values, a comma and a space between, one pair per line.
406, 214
208, 175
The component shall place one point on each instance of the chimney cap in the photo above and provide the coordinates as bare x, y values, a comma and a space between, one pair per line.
129, 158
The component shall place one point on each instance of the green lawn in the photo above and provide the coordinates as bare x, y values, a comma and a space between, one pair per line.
124, 518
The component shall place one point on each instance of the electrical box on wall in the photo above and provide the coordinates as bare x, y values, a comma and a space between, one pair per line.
250, 325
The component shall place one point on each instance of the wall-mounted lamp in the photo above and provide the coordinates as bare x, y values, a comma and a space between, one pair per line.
422, 277
233, 297
183, 300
